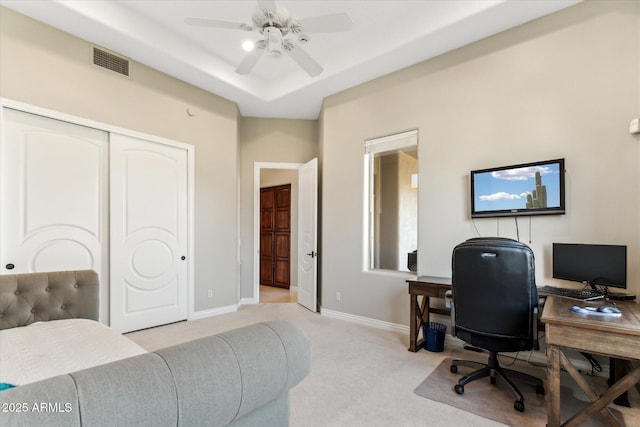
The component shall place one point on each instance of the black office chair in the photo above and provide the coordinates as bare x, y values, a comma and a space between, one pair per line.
495, 306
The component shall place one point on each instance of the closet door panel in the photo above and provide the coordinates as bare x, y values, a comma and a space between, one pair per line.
149, 237
53, 184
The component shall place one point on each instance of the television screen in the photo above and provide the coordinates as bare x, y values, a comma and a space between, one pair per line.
595, 264
526, 189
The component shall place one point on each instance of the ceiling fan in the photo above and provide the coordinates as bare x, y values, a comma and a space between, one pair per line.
280, 33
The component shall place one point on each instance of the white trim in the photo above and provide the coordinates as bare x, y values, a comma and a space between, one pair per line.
213, 312
391, 142
257, 166
372, 147
375, 323
52, 114
248, 301
406, 275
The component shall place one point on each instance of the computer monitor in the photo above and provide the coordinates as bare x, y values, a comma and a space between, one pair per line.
604, 265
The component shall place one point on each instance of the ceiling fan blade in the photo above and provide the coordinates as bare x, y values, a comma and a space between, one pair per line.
267, 4
214, 23
326, 23
250, 60
303, 59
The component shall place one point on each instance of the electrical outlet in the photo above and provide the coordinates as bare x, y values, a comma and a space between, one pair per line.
210, 293
338, 296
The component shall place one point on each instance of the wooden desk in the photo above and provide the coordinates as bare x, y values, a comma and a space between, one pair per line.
610, 336
424, 287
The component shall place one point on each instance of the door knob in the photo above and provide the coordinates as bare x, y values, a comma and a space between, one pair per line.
183, 257
313, 254
10, 266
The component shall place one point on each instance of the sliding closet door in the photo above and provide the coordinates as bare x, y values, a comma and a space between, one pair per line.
53, 183
149, 233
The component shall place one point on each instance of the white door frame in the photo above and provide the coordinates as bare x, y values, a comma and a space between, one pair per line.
257, 167
52, 114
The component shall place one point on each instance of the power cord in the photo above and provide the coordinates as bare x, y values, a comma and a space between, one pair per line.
595, 366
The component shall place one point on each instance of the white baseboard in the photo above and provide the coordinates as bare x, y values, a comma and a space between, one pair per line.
213, 312
364, 320
248, 301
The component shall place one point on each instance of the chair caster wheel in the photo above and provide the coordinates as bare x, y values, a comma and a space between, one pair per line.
540, 390
458, 388
518, 405
493, 380
453, 369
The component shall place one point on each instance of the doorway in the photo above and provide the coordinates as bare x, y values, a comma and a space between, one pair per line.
275, 236
274, 175
303, 178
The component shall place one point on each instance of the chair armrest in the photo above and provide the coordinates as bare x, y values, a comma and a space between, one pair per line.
453, 318
536, 332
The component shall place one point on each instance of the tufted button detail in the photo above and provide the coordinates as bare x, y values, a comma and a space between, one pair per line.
17, 292
33, 310
63, 306
48, 289
75, 286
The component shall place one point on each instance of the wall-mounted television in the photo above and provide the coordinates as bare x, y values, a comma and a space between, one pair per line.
526, 189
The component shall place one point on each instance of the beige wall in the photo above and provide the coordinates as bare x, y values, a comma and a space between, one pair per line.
267, 141
48, 68
565, 85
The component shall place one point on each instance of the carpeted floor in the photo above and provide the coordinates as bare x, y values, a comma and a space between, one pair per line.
360, 376
482, 398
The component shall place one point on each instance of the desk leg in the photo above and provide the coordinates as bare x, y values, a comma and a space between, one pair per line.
419, 314
413, 328
617, 369
582, 416
553, 386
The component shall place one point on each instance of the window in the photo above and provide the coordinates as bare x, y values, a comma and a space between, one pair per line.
391, 188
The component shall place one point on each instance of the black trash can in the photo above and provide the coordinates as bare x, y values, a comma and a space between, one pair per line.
434, 334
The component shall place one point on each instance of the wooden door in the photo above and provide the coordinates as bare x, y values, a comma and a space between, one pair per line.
275, 235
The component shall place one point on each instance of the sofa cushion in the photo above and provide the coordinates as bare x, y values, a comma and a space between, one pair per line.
208, 381
53, 402
139, 388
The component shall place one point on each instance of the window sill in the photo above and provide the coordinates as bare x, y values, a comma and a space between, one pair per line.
393, 273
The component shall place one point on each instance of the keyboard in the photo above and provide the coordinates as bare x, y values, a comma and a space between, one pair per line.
582, 294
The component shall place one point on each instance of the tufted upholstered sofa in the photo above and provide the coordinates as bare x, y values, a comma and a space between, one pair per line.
237, 378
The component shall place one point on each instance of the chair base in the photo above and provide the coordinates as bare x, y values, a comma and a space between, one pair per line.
493, 370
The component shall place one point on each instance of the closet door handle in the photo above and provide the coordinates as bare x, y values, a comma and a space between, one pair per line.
10, 266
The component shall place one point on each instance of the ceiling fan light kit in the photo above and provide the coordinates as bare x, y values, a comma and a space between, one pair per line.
280, 33
273, 37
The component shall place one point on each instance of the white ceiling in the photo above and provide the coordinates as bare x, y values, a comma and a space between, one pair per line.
386, 36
